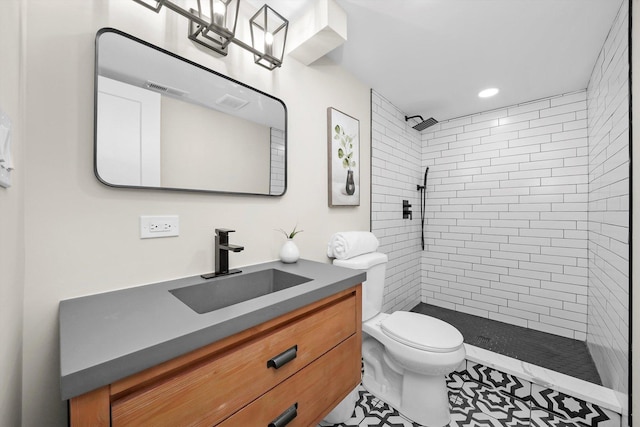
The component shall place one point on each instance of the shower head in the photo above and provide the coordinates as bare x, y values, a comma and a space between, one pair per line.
423, 124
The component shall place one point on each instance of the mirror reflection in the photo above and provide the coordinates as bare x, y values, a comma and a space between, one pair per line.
162, 121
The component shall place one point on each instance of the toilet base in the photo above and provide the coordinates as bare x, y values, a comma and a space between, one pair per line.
422, 398
343, 411
425, 400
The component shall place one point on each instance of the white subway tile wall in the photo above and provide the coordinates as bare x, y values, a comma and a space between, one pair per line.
507, 226
608, 222
395, 172
277, 183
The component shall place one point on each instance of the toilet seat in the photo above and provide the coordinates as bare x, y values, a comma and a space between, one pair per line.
421, 332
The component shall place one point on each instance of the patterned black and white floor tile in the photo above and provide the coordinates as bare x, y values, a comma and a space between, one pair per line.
480, 404
471, 403
542, 418
373, 412
482, 396
498, 380
571, 409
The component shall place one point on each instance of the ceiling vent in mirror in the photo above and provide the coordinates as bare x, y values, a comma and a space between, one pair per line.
231, 102
165, 89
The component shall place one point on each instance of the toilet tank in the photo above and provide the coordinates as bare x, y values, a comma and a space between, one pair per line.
375, 264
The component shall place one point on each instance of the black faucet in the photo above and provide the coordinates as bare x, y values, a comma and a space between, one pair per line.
222, 249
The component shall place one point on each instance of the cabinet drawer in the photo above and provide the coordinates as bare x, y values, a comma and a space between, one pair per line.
314, 390
207, 392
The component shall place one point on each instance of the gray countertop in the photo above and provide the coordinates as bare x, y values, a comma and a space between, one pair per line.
107, 337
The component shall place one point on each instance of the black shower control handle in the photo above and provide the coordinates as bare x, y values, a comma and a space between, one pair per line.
286, 417
283, 358
406, 211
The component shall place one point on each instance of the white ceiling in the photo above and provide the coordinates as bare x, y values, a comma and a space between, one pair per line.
432, 57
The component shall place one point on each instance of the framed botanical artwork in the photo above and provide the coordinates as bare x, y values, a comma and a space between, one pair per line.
343, 144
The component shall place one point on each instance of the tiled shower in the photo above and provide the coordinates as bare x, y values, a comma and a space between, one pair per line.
508, 199
526, 213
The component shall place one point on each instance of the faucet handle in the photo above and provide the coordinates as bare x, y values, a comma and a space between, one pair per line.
224, 231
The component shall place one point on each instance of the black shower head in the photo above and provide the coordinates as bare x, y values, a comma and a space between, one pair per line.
423, 124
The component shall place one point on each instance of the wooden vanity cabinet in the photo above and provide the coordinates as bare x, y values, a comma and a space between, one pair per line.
294, 369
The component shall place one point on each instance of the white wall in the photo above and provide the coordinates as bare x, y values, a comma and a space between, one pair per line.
608, 117
508, 230
82, 237
11, 219
222, 151
395, 172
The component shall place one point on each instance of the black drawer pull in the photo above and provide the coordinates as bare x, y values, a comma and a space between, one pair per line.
283, 358
285, 418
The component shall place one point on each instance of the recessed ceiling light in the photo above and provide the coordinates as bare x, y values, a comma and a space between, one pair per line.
487, 93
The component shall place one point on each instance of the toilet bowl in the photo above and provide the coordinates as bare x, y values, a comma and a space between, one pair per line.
420, 351
406, 356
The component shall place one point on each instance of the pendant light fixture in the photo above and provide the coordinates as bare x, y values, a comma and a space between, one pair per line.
213, 25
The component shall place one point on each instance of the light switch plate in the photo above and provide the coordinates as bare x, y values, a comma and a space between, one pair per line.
152, 226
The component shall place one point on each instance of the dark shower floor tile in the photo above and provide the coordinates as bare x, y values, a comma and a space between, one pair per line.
560, 354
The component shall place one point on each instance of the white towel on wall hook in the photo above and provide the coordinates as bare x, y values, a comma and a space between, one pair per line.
6, 160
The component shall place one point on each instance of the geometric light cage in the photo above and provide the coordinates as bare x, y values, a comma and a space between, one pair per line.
213, 25
268, 37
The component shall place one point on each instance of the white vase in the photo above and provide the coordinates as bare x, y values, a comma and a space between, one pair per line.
289, 252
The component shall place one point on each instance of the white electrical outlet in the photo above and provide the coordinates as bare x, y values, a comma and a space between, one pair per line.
159, 226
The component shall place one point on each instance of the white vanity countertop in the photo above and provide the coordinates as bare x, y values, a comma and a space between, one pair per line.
109, 336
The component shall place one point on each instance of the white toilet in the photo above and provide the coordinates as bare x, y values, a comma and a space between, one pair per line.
406, 355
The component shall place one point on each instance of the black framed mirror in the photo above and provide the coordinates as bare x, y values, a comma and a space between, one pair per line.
162, 121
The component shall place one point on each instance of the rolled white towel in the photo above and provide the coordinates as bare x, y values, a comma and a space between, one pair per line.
349, 244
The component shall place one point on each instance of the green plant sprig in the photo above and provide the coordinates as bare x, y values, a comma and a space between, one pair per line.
345, 152
292, 234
